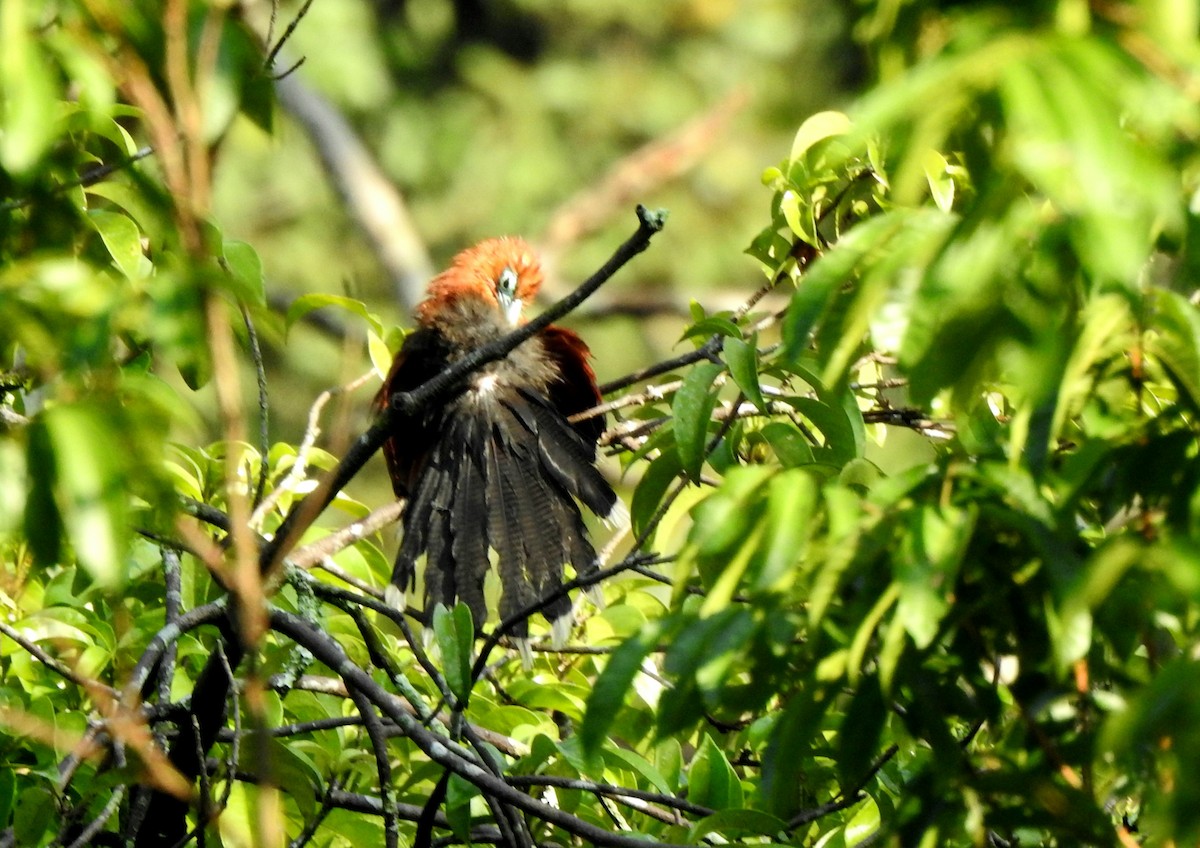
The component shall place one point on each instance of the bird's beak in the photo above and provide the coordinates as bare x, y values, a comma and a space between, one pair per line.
510, 305
506, 297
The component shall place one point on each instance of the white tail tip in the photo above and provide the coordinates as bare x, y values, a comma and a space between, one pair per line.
525, 651
618, 515
560, 630
395, 597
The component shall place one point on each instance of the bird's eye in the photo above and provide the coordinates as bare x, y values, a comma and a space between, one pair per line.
507, 284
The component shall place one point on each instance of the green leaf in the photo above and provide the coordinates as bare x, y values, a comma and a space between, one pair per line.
858, 737
927, 566
608, 694
43, 522
1175, 341
713, 325
305, 304
29, 109
1164, 715
736, 822
122, 239
246, 269
941, 183
791, 447
819, 127
841, 442
459, 792
668, 761
825, 277
711, 780
722, 521
692, 407
8, 794
656, 479
641, 766
788, 748
76, 445
33, 815
381, 356
797, 221
792, 499
290, 770
455, 634
742, 359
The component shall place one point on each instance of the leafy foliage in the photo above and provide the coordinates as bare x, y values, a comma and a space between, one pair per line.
915, 531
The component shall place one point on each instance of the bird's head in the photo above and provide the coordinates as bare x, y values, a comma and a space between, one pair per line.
503, 273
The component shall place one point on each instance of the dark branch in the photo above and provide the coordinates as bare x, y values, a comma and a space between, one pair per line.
672, 801
87, 178
260, 373
710, 350
438, 748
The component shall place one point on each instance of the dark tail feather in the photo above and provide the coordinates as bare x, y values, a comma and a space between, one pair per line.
565, 456
427, 530
504, 525
506, 477
469, 517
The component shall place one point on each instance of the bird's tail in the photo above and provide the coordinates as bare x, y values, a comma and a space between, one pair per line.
504, 477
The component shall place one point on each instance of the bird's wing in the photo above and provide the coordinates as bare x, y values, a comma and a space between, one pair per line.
575, 389
421, 358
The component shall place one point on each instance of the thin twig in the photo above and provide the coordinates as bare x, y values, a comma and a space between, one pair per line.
844, 798
327, 806
312, 431
87, 178
260, 372
318, 553
97, 824
710, 350
54, 665
273, 49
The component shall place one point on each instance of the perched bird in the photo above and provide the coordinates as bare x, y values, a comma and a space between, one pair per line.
495, 469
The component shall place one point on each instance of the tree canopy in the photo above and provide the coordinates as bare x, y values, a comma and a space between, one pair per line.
915, 544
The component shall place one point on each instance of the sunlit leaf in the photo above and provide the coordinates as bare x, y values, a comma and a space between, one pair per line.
791, 446
692, 407
926, 567
246, 269
380, 355
76, 448
818, 127
742, 359
730, 822
28, 106
608, 694
122, 239
656, 480
304, 304
711, 780
1176, 341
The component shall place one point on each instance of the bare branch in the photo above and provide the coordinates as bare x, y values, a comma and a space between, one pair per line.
368, 194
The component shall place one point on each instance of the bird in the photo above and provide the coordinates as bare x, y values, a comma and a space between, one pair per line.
495, 470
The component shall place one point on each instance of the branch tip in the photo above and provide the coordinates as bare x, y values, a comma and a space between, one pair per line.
652, 219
